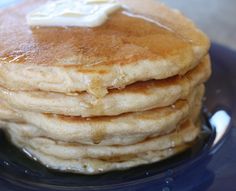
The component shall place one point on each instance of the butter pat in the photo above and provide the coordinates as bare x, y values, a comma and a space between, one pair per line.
73, 13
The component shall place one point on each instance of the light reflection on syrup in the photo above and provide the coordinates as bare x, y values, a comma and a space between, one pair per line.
18, 58
147, 19
29, 154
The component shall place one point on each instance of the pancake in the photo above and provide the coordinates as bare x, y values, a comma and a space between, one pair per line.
124, 129
3, 124
140, 96
144, 41
108, 154
185, 133
7, 114
95, 166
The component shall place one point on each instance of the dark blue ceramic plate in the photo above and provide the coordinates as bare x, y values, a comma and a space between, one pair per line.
209, 165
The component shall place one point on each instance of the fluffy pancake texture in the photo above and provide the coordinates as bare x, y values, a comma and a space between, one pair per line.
96, 166
142, 42
140, 96
124, 129
186, 132
92, 100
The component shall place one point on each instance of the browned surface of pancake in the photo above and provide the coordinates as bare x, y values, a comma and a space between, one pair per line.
122, 39
135, 34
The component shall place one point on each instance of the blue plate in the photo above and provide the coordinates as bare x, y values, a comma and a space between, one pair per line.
209, 165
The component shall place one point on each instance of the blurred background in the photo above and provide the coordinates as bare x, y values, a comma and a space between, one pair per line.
217, 18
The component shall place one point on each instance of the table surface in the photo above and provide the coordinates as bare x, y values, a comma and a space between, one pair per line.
217, 18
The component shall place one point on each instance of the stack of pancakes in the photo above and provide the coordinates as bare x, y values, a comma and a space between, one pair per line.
91, 100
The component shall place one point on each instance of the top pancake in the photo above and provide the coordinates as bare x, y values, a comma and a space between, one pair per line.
144, 41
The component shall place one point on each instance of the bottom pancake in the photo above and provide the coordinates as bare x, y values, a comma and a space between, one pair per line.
99, 166
92, 159
67, 150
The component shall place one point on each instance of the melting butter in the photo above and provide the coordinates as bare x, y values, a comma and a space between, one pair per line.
72, 13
